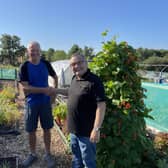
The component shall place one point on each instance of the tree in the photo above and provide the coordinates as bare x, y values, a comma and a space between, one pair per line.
11, 49
144, 53
20, 53
155, 60
74, 49
43, 54
88, 52
59, 55
5, 47
54, 55
50, 54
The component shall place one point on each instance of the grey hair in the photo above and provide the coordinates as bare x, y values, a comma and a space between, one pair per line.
34, 43
78, 55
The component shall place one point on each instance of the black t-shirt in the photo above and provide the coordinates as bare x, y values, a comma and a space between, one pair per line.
84, 94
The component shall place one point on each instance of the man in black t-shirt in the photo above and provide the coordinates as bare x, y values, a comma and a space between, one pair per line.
86, 109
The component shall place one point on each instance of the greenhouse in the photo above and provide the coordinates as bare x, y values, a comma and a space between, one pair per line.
63, 71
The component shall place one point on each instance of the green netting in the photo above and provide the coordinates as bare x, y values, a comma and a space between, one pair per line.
8, 73
157, 98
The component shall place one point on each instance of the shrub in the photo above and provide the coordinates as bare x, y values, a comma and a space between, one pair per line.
7, 94
123, 141
9, 113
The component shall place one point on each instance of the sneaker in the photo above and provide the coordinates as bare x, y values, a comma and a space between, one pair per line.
29, 161
50, 161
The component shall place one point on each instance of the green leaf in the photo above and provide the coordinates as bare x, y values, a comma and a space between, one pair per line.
104, 33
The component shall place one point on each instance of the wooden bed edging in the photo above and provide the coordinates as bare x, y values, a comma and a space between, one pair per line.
64, 140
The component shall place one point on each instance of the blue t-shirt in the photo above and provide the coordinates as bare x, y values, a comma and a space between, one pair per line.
37, 76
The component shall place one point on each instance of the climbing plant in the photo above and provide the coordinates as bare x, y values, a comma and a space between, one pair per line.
123, 141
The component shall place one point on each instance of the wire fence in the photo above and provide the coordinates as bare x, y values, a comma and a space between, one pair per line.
8, 74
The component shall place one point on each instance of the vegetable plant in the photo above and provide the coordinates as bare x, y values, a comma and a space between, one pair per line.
123, 141
9, 113
59, 113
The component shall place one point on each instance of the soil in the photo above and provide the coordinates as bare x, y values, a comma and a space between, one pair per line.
17, 146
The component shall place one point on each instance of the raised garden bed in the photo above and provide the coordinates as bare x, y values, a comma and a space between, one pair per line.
62, 134
59, 113
9, 112
10, 129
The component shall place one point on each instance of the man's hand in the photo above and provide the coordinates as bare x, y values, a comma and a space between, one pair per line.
100, 112
61, 91
95, 136
52, 94
50, 91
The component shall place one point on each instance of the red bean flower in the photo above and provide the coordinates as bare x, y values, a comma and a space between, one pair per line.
103, 135
127, 106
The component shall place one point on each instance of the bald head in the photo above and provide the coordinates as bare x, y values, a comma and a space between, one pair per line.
34, 51
33, 43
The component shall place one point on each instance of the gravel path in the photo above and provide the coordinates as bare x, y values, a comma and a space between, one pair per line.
11, 145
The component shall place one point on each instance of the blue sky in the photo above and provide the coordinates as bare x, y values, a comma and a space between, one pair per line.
59, 24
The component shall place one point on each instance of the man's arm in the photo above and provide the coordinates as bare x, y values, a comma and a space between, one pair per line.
100, 112
27, 89
54, 81
62, 91
55, 78
55, 85
52, 72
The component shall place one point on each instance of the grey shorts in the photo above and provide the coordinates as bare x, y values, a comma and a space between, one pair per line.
35, 112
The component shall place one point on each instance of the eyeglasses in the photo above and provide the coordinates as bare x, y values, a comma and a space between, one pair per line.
76, 63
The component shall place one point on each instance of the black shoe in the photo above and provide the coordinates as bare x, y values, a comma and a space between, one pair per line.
50, 161
29, 161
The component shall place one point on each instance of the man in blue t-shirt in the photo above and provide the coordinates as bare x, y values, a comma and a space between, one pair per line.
33, 77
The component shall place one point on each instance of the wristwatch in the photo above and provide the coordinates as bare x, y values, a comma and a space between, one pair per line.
96, 129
